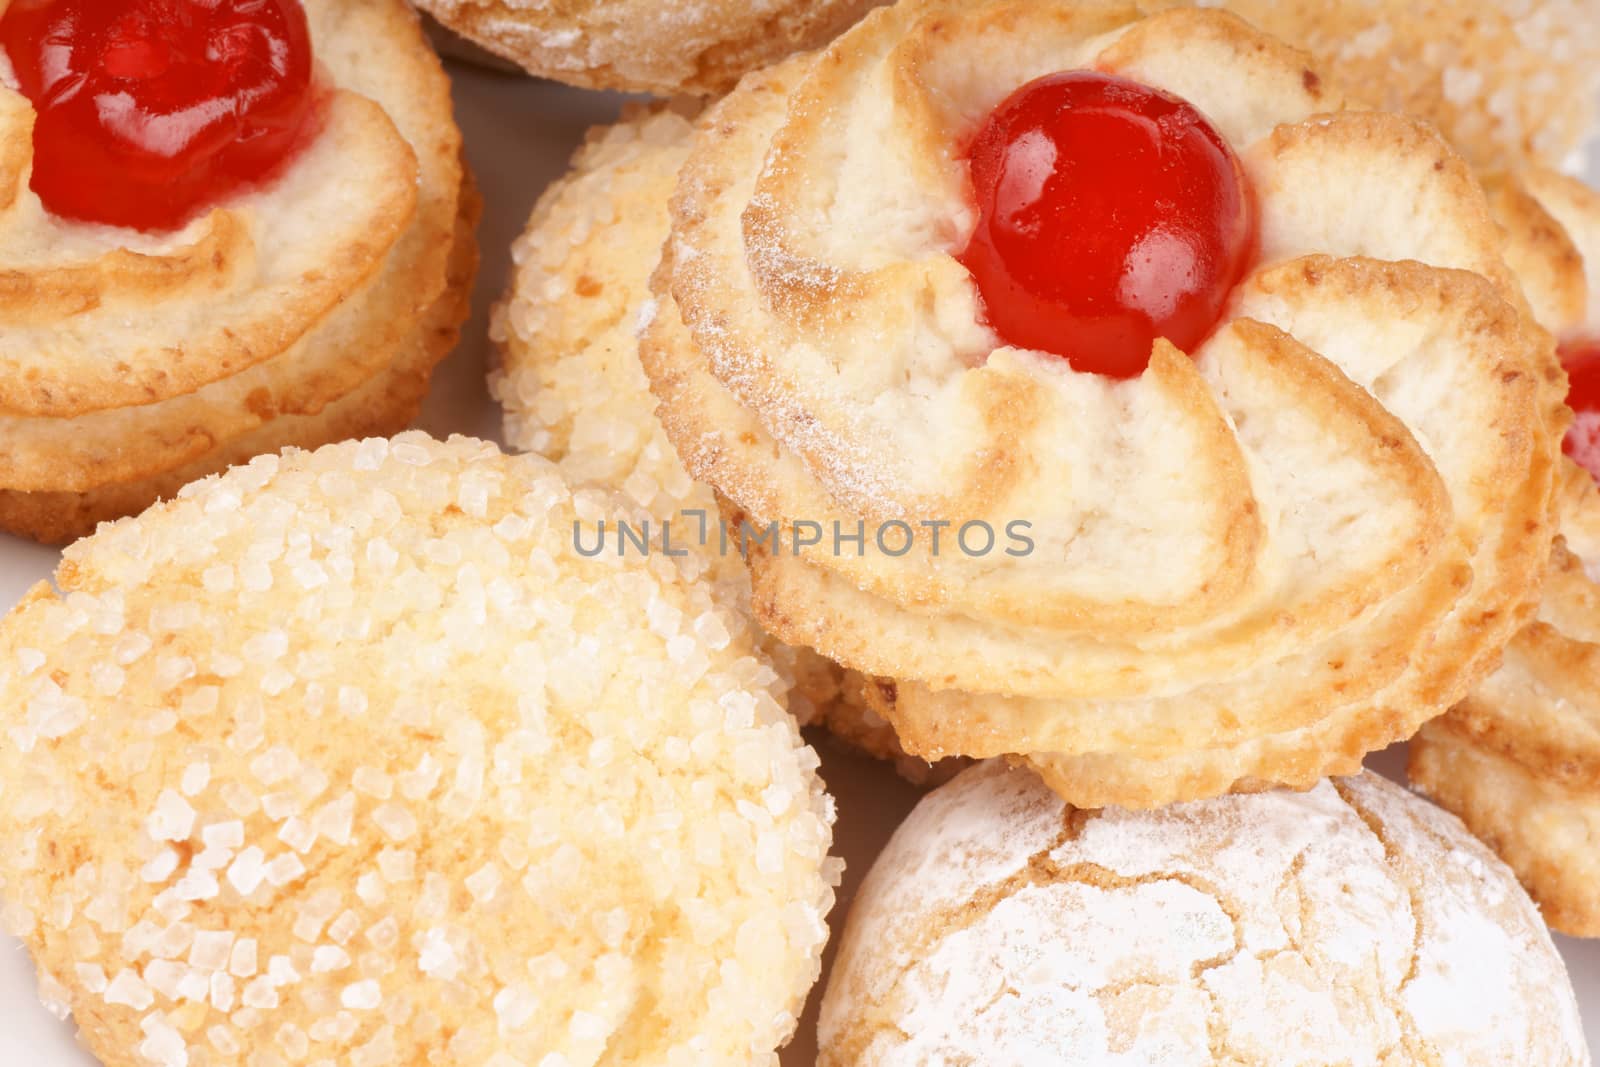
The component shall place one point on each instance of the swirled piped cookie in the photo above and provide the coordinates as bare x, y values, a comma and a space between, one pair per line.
224, 228
1132, 405
1505, 80
1519, 759
687, 46
573, 391
1351, 924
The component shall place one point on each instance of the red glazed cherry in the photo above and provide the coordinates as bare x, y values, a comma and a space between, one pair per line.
150, 111
1582, 361
1109, 214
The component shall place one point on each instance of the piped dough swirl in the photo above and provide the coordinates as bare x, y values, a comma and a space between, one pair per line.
1511, 80
1254, 563
312, 307
1519, 759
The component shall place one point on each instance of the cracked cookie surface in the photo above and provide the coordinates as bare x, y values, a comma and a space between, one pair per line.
687, 46
1351, 924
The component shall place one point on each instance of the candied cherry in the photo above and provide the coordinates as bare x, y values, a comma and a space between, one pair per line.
1109, 214
1582, 360
151, 111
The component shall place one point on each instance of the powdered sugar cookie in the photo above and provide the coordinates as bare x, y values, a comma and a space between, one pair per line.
656, 46
1351, 924
348, 756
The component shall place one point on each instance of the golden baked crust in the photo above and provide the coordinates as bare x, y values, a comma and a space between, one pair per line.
573, 390
1349, 924
1519, 759
381, 406
1547, 830
847, 706
1212, 601
349, 757
698, 47
128, 358
1505, 80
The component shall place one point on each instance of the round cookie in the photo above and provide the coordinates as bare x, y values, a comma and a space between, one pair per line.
1519, 758
573, 390
1351, 924
698, 47
348, 756
381, 406
1248, 565
566, 330
308, 308
1507, 81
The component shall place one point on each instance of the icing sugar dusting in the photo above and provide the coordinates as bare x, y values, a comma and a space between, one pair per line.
1351, 921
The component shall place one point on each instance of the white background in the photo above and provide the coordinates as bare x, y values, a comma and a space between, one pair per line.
519, 136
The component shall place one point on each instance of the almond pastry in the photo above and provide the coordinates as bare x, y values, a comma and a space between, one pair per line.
682, 46
573, 389
348, 757
1250, 566
1351, 924
1505, 80
309, 309
1519, 759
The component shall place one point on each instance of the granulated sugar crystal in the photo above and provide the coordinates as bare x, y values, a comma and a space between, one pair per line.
410, 781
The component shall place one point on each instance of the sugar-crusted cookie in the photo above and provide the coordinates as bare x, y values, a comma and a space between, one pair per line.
309, 309
1352, 923
1519, 759
681, 46
573, 389
348, 756
1254, 562
1506, 80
